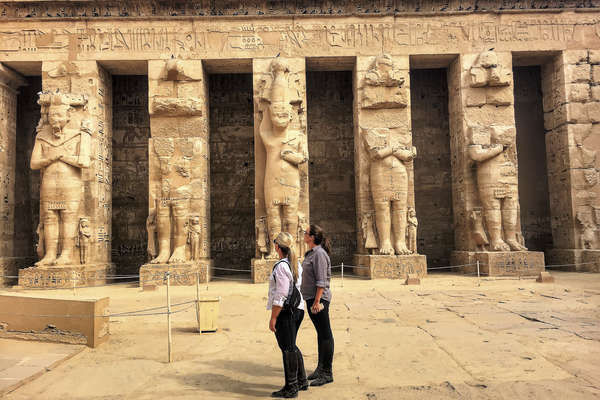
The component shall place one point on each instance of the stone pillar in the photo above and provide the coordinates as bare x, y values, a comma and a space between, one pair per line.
571, 87
9, 83
484, 167
178, 161
73, 152
384, 173
281, 155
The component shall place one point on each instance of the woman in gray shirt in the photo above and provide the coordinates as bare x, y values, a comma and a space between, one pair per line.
316, 278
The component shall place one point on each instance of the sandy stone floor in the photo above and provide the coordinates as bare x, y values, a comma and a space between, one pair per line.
445, 339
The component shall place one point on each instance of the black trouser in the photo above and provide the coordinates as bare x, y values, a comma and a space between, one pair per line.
324, 335
285, 331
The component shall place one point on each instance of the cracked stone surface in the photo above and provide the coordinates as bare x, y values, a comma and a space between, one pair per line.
445, 339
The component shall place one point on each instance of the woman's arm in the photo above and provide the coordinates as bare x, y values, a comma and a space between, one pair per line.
275, 310
282, 288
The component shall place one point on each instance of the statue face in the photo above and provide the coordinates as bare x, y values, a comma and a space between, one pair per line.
195, 220
280, 114
58, 118
84, 223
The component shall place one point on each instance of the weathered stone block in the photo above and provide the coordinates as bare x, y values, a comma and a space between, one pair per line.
575, 56
594, 56
412, 279
596, 73
72, 321
593, 111
577, 113
590, 261
545, 277
579, 92
596, 93
475, 97
478, 77
500, 263
390, 267
578, 73
261, 269
500, 96
184, 274
9, 268
66, 276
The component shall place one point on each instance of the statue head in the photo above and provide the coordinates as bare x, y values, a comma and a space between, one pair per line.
58, 118
479, 135
84, 223
504, 135
195, 220
411, 212
384, 63
281, 114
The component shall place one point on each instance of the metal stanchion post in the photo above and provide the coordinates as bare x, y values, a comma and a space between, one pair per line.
207, 277
342, 274
478, 277
198, 300
167, 274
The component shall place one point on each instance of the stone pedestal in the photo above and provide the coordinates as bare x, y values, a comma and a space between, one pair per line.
9, 267
574, 260
500, 263
390, 267
181, 274
66, 276
261, 269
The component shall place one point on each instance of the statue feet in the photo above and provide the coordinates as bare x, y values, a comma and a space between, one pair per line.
499, 245
178, 256
401, 249
162, 258
47, 260
386, 249
515, 246
64, 259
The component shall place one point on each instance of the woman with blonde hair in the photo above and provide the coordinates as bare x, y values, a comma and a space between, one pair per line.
285, 317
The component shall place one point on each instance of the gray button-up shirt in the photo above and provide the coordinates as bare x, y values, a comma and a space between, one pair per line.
316, 272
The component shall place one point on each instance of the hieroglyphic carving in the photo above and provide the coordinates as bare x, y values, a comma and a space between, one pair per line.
62, 149
285, 149
492, 148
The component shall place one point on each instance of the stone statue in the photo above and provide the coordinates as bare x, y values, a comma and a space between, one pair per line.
285, 151
412, 230
83, 240
39, 248
151, 228
587, 235
389, 187
487, 71
497, 182
194, 236
61, 151
477, 229
368, 231
382, 86
261, 235
173, 204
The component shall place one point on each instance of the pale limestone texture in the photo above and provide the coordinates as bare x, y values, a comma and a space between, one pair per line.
281, 155
384, 169
77, 48
179, 215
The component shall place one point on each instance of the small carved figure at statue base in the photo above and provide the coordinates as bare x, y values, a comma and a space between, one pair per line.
412, 230
83, 240
194, 237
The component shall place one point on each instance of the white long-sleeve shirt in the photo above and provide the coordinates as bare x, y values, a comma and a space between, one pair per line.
279, 284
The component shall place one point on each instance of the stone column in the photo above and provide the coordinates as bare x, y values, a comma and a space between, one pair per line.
384, 173
73, 152
281, 155
9, 83
484, 167
571, 88
178, 160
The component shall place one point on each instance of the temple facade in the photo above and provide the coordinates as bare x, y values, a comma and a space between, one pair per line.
144, 137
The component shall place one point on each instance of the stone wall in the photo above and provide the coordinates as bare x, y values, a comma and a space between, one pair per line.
331, 164
531, 149
131, 130
231, 170
433, 179
27, 181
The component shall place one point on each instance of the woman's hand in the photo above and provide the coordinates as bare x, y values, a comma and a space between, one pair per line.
316, 307
272, 323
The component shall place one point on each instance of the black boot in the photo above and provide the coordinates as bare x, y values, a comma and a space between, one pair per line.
290, 368
325, 374
302, 381
317, 370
